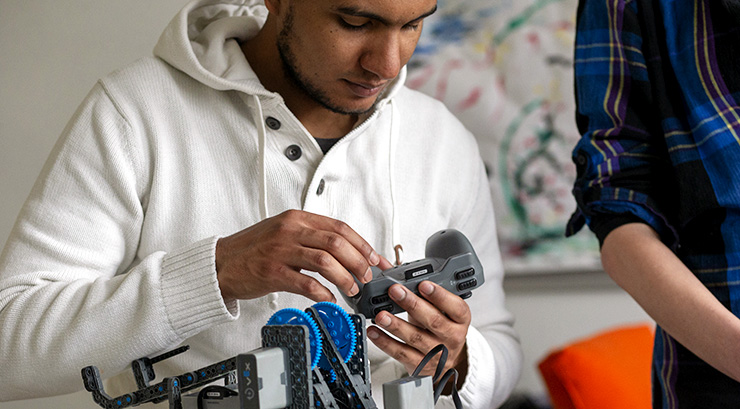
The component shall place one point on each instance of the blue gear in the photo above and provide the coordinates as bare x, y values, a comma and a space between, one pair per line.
332, 376
294, 316
341, 329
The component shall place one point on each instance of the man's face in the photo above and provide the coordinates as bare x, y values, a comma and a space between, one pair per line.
344, 53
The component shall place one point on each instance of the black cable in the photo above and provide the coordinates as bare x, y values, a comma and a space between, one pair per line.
428, 357
445, 378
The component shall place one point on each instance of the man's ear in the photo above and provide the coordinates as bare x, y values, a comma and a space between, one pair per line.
273, 6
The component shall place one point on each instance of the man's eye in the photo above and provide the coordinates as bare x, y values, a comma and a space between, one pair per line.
353, 25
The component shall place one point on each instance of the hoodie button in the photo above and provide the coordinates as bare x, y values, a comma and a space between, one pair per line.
293, 152
320, 189
272, 123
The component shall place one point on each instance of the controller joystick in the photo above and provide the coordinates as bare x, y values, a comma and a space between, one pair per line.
450, 262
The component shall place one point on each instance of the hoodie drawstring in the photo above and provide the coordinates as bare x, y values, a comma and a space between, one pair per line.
395, 230
272, 298
261, 142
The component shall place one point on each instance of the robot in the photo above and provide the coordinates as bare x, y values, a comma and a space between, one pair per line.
315, 358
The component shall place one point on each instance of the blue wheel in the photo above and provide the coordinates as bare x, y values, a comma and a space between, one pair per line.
341, 329
294, 316
332, 376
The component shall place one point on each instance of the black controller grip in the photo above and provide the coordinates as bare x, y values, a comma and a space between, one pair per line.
450, 262
447, 243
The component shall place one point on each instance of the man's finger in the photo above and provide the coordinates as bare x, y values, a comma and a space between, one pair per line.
343, 229
298, 283
384, 264
406, 355
412, 335
340, 249
454, 307
425, 314
325, 264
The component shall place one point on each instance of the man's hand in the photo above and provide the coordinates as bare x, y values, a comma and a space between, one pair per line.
441, 317
268, 257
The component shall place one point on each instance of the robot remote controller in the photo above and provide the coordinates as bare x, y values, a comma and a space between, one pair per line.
450, 262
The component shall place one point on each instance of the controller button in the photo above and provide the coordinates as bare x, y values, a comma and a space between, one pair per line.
464, 274
418, 271
467, 284
467, 295
388, 308
380, 299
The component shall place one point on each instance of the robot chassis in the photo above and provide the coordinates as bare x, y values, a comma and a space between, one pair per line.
311, 359
316, 358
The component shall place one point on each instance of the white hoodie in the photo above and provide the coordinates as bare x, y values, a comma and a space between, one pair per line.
112, 256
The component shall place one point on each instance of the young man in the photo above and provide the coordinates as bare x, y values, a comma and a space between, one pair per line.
265, 157
657, 88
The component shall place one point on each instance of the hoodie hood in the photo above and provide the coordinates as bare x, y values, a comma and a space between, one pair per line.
203, 41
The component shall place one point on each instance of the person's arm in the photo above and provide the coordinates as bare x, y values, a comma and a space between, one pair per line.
630, 165
73, 290
623, 89
76, 288
269, 256
478, 331
636, 259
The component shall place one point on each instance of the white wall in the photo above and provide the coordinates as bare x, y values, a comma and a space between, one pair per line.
52, 52
553, 310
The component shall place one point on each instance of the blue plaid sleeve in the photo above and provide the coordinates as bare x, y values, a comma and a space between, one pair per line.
622, 164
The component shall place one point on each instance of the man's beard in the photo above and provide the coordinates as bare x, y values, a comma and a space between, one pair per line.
291, 70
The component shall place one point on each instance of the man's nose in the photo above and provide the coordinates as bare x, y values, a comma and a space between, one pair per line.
383, 56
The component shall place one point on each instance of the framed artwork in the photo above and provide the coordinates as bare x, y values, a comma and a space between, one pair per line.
505, 68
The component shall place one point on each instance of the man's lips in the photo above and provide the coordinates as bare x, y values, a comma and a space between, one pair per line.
365, 90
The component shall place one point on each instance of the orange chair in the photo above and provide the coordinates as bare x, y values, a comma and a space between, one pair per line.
608, 370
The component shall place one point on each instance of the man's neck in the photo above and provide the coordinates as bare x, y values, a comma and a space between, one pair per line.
262, 55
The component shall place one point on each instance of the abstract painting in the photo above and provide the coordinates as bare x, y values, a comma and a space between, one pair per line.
505, 69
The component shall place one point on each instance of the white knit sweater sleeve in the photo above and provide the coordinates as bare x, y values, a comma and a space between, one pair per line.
73, 291
493, 348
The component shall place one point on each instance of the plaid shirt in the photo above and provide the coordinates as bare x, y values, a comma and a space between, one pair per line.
657, 91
